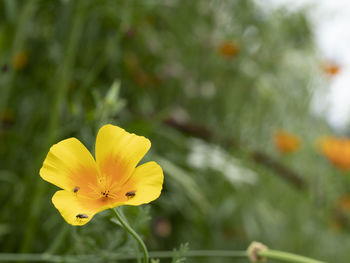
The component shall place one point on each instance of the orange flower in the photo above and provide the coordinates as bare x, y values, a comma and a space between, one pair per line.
162, 227
141, 78
337, 150
228, 49
19, 60
339, 216
286, 142
7, 118
343, 203
112, 180
330, 68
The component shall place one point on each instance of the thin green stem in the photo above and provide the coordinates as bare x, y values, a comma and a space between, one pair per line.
269, 254
7, 257
286, 257
132, 232
116, 256
201, 253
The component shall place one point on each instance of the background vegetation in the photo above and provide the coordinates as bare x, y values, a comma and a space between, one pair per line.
210, 83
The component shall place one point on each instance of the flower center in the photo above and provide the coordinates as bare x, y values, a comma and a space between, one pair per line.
105, 193
107, 190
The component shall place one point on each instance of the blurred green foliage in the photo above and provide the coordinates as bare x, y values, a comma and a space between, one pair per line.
155, 68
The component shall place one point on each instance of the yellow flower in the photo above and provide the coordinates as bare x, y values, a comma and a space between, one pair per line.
337, 150
112, 180
286, 142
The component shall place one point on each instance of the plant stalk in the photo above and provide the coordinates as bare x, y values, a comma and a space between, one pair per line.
268, 254
286, 257
132, 232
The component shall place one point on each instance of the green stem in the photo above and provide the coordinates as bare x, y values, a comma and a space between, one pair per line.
7, 257
116, 256
287, 257
270, 254
200, 253
132, 232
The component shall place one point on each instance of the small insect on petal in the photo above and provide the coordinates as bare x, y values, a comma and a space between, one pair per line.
76, 189
82, 216
130, 194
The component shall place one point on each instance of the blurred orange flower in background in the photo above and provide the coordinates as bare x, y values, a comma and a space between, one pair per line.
340, 214
228, 49
337, 150
20, 60
330, 68
286, 142
7, 117
162, 227
343, 203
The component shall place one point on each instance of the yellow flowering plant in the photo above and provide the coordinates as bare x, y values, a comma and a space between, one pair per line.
91, 186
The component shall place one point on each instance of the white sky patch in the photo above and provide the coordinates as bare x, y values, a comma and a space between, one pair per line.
331, 21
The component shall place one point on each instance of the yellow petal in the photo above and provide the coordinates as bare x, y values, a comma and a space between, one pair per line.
70, 166
146, 182
76, 209
118, 152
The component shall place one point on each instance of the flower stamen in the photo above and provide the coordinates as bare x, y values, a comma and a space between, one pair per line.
105, 193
